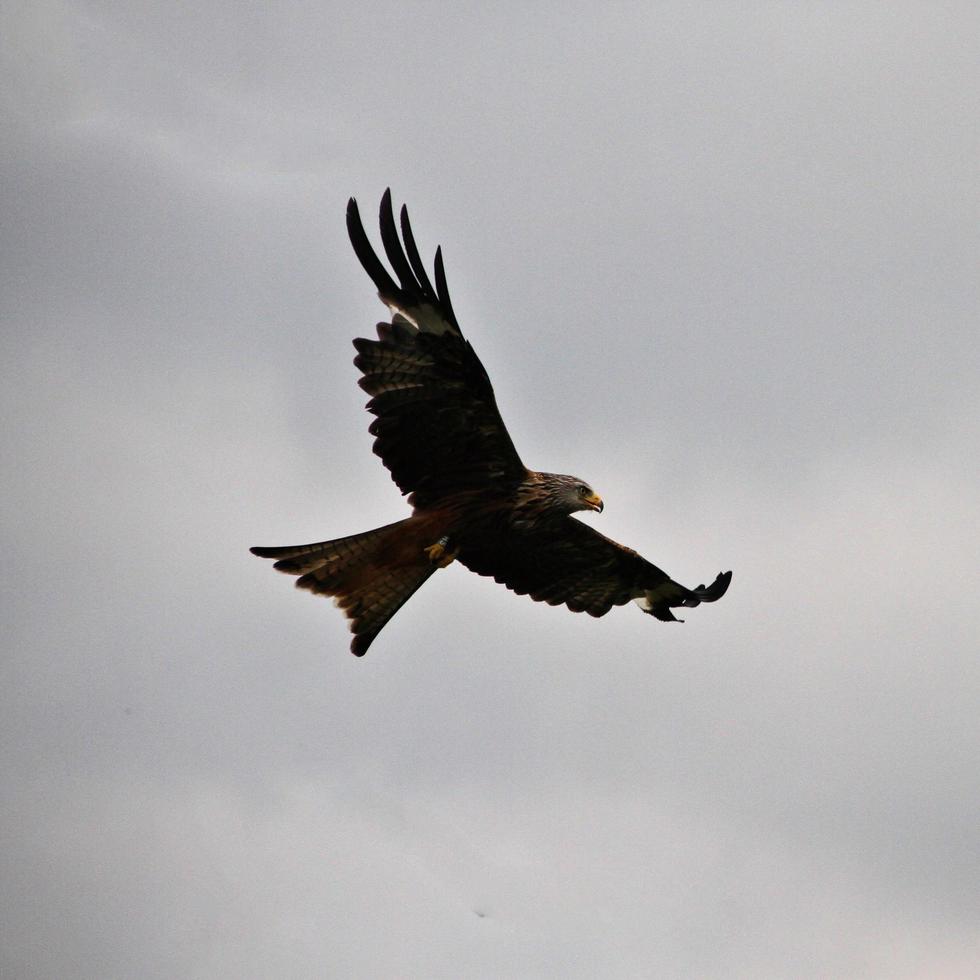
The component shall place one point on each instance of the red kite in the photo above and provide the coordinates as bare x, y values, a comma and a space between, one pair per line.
438, 431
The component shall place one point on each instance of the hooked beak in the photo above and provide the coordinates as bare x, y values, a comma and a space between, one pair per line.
595, 502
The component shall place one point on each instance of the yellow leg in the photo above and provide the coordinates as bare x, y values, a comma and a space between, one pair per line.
440, 554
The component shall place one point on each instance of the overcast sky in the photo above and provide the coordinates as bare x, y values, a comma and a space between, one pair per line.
720, 260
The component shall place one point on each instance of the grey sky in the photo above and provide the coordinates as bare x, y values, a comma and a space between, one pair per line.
719, 260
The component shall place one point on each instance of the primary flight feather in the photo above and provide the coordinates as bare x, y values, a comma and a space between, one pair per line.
437, 429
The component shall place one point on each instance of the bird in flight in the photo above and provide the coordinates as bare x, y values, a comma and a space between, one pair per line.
438, 431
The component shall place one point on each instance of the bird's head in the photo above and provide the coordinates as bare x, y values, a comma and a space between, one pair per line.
573, 494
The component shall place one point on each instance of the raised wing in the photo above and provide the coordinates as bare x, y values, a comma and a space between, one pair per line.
437, 429
568, 562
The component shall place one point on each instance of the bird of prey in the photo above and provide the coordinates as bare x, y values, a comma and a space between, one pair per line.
438, 430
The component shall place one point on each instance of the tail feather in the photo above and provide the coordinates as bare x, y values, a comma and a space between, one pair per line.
370, 575
338, 554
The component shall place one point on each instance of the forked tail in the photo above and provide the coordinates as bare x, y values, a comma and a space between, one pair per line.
370, 575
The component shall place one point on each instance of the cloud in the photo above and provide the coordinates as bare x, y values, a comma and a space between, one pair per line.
717, 263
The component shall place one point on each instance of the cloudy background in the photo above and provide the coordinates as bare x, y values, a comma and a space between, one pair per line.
721, 261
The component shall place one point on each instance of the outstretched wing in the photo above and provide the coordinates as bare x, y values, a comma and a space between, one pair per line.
568, 562
437, 429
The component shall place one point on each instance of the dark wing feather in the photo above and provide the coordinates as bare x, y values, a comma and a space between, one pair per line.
438, 429
412, 251
413, 296
566, 561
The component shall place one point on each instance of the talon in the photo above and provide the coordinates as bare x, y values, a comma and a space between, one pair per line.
439, 553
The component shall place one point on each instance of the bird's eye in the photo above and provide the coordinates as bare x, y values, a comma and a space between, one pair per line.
583, 490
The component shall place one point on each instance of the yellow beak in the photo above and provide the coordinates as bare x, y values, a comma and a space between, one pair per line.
594, 501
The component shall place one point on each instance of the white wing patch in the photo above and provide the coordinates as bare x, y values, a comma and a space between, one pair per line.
425, 317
